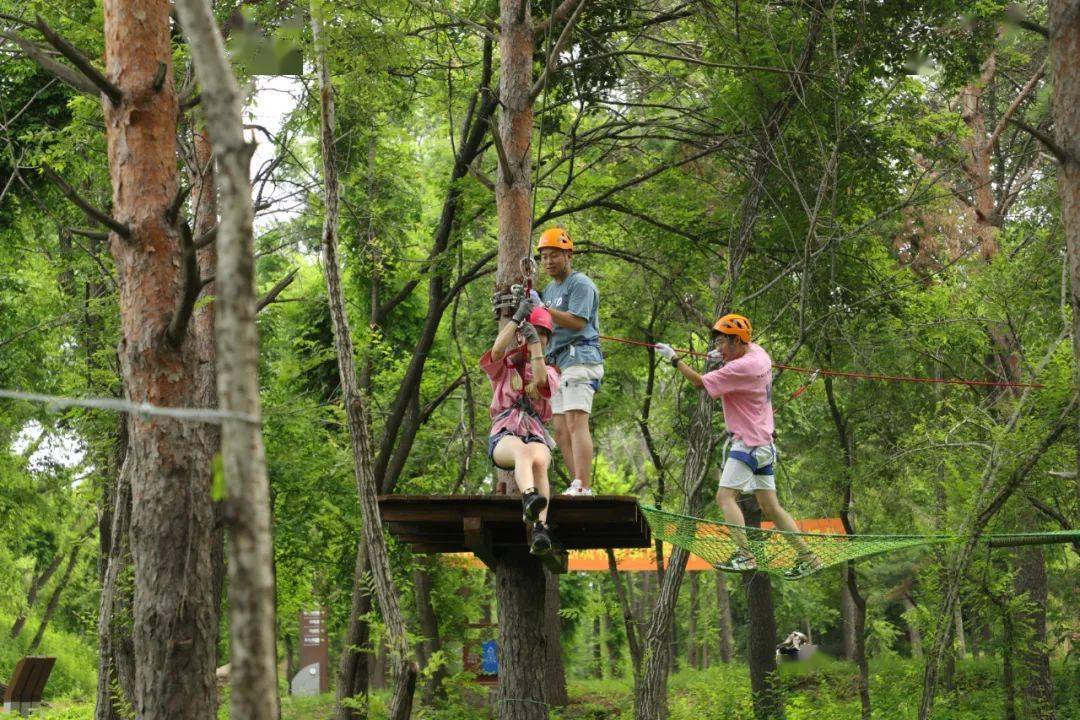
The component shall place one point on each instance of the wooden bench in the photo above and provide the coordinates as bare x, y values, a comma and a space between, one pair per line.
23, 692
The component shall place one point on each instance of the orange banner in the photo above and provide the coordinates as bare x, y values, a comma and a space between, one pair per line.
644, 559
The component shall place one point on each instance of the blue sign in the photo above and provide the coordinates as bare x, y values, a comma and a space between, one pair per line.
490, 658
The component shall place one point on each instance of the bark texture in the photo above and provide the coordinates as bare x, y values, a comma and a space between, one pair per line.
1065, 76
174, 632
1038, 684
519, 591
353, 668
554, 669
723, 606
403, 665
253, 666
761, 638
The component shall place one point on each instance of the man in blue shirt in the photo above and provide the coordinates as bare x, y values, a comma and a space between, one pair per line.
574, 302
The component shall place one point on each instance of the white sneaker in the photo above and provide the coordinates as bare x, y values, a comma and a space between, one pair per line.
576, 488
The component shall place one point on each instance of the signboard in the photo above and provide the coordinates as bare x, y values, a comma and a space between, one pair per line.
314, 648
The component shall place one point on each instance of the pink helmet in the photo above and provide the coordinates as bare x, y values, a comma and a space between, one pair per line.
541, 318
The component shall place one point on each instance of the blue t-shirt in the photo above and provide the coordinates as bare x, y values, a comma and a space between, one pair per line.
578, 296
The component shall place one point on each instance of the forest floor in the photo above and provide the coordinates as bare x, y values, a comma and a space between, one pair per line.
823, 690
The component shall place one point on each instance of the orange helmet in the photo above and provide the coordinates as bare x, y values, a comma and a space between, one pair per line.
736, 325
557, 238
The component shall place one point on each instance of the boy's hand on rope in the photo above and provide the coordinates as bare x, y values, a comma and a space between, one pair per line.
529, 333
714, 357
666, 351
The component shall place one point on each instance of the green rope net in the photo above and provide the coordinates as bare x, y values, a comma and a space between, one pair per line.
776, 551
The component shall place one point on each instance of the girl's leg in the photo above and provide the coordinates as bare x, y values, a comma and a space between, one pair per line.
770, 505
511, 452
540, 457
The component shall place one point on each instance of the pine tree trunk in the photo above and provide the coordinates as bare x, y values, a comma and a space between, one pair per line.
723, 605
960, 635
404, 667
519, 592
252, 625
761, 638
554, 667
1037, 685
1065, 78
859, 632
174, 636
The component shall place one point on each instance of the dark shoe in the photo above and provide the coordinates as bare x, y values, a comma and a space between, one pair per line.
541, 539
740, 562
532, 504
805, 564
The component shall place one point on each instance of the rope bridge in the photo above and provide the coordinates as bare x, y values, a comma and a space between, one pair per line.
712, 541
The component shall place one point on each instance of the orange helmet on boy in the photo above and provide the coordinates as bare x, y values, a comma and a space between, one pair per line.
737, 325
557, 238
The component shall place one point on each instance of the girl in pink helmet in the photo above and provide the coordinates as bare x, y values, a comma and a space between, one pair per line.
522, 384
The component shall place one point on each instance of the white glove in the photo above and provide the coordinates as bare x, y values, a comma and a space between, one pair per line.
666, 351
714, 357
536, 299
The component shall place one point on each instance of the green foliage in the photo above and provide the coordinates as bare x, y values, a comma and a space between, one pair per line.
74, 677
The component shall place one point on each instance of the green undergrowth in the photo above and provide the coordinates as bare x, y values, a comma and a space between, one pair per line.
74, 677
823, 689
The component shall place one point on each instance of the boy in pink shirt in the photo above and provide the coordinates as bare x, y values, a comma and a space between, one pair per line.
743, 383
521, 384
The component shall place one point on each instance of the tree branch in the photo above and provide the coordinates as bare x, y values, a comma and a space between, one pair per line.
1056, 150
565, 7
80, 61
92, 234
556, 50
192, 285
64, 73
272, 294
1025, 91
504, 161
92, 212
207, 238
433, 405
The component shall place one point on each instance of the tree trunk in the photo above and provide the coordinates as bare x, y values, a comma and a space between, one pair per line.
174, 636
859, 631
723, 608
1065, 77
959, 633
914, 636
597, 648
353, 669
116, 651
847, 614
39, 581
513, 187
692, 644
205, 219
554, 668
253, 663
625, 605
1008, 652
519, 592
1037, 684
761, 638
431, 641
404, 667
54, 599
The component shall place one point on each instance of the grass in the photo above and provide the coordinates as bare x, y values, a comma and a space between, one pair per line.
823, 689
74, 677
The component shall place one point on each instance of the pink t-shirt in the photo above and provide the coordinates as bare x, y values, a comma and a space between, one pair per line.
505, 397
745, 388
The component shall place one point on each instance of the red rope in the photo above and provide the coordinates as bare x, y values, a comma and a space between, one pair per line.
856, 375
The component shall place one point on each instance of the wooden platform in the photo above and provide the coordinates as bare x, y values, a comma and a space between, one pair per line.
486, 525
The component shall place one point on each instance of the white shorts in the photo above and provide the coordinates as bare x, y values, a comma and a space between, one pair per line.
577, 385
748, 468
